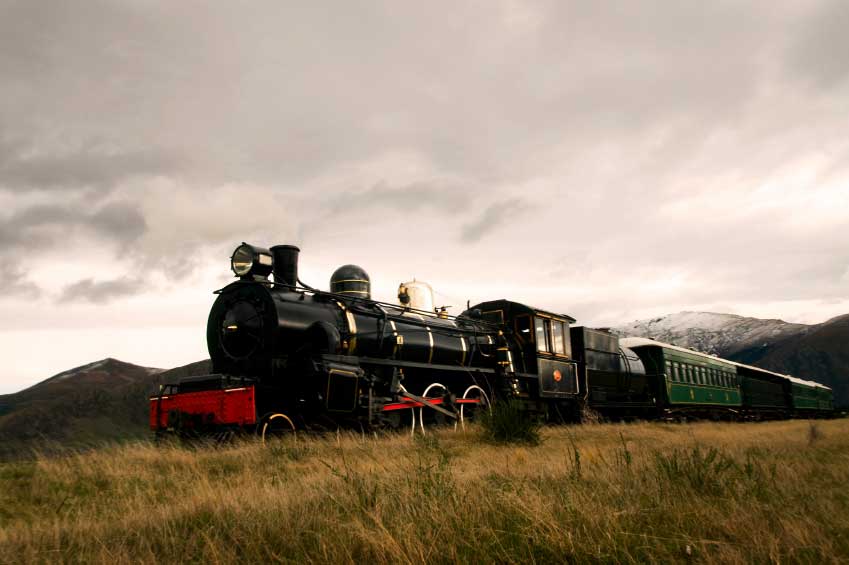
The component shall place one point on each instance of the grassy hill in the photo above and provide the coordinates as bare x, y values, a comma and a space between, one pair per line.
101, 401
619, 493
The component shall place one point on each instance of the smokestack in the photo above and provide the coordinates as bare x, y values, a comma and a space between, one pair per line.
285, 264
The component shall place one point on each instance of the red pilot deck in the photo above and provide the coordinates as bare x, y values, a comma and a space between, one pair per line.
229, 406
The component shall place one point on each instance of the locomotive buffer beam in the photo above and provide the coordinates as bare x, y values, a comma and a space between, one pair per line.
428, 403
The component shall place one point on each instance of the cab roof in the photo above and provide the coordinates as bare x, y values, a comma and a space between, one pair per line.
512, 309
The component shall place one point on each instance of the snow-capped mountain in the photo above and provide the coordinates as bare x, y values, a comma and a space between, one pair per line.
709, 332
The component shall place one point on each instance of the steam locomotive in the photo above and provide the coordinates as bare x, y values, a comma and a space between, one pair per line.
287, 356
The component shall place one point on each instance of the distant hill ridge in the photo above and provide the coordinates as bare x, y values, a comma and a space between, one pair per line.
106, 371
103, 400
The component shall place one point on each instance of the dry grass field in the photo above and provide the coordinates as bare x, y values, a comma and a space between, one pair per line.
645, 492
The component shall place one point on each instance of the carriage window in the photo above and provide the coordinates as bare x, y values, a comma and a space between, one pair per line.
542, 328
676, 376
688, 372
703, 374
557, 337
669, 370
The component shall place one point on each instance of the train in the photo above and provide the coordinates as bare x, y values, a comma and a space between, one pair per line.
286, 356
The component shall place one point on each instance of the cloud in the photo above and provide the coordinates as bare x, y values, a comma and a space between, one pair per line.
101, 292
491, 219
26, 168
13, 282
592, 158
45, 225
417, 196
818, 52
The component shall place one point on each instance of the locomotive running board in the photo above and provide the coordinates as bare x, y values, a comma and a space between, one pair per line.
428, 403
417, 365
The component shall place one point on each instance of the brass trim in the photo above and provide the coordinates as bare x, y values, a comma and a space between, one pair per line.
463, 343
399, 339
552, 317
430, 337
351, 280
352, 328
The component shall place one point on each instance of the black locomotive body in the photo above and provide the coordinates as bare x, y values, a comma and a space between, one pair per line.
287, 356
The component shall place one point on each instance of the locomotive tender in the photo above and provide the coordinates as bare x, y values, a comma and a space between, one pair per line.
287, 356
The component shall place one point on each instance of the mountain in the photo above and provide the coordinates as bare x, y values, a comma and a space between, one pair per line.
822, 355
718, 334
104, 400
818, 352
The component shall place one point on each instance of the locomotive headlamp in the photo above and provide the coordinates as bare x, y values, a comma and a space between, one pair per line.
248, 260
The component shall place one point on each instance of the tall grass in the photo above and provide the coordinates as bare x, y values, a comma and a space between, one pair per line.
508, 421
647, 492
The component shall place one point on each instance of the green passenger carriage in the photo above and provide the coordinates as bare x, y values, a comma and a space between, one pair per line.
696, 384
688, 381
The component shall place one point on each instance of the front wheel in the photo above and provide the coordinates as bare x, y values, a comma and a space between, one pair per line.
275, 426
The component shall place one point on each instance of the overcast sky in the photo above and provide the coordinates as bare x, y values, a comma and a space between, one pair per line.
608, 160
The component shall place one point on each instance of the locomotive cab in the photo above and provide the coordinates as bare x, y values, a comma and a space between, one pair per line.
540, 348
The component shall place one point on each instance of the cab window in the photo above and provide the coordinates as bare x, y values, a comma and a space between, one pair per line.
523, 329
493, 316
541, 328
557, 337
